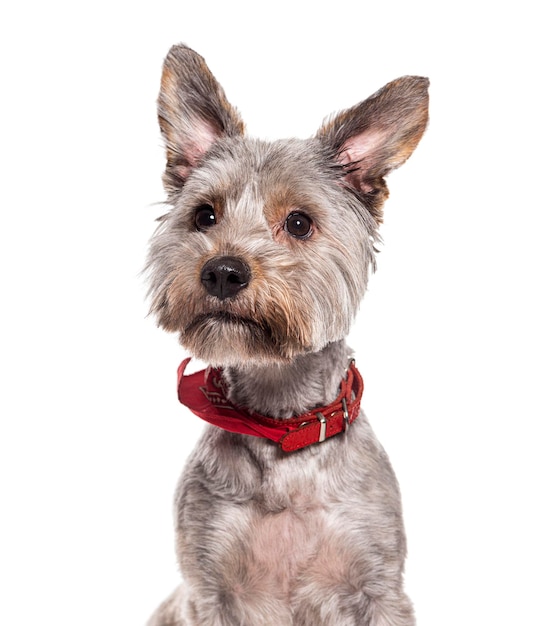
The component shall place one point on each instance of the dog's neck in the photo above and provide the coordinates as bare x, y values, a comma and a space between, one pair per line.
284, 390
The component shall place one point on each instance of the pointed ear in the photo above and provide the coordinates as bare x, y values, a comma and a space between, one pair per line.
193, 113
378, 135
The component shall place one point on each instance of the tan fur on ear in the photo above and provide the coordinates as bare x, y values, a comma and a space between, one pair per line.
378, 135
193, 112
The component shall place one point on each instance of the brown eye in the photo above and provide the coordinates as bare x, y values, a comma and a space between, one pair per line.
298, 225
204, 217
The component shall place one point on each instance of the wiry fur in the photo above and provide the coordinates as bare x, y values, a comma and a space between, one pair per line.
267, 538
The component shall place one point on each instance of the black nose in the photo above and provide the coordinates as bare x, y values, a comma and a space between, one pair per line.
225, 276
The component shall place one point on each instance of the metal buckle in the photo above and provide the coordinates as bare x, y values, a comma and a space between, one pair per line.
346, 416
323, 426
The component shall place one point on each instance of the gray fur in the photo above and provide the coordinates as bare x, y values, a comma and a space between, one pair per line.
267, 538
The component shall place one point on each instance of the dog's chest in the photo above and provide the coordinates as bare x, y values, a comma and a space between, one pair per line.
280, 532
287, 527
261, 526
279, 545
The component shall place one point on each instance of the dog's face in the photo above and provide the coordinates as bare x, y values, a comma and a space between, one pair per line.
266, 251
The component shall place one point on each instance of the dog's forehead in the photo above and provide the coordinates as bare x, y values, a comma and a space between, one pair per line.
291, 165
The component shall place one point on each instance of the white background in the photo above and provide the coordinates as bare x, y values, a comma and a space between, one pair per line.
448, 339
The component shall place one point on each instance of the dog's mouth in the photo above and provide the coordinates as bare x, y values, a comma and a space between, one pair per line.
223, 338
223, 317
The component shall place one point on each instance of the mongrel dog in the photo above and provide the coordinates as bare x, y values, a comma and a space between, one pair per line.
288, 512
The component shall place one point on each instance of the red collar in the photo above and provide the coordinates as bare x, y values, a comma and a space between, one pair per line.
205, 394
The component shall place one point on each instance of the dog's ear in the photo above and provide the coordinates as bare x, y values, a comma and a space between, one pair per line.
193, 113
378, 135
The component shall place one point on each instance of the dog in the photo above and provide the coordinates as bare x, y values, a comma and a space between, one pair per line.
288, 512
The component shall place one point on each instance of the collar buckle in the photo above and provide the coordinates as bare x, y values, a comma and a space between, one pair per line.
346, 416
323, 427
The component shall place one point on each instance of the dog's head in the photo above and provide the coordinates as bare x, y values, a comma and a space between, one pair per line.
266, 251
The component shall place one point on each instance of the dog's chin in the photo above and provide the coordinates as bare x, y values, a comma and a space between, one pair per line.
222, 339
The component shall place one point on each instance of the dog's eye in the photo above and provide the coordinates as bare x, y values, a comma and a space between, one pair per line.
298, 225
204, 217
